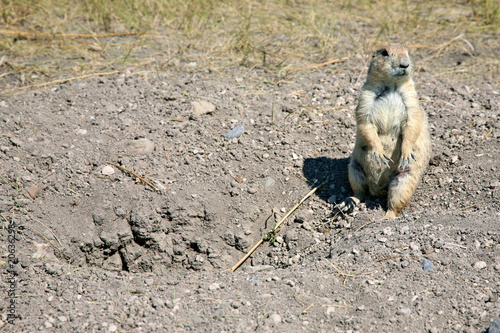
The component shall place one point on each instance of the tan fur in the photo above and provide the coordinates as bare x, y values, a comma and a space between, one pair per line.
392, 141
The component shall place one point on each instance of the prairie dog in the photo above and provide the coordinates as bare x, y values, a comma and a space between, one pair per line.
392, 140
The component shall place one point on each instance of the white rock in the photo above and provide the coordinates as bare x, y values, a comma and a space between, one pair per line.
274, 319
202, 107
108, 170
479, 265
141, 146
404, 312
330, 311
112, 328
213, 286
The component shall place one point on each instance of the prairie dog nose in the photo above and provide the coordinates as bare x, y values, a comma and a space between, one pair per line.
405, 62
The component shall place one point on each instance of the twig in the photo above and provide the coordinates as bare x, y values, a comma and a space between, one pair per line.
39, 180
134, 174
388, 258
487, 134
276, 226
38, 85
364, 225
338, 269
37, 35
318, 65
308, 307
464, 208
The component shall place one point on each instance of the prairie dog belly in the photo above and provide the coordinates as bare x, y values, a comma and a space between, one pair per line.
389, 114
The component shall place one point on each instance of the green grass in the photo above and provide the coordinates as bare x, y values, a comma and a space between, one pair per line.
276, 34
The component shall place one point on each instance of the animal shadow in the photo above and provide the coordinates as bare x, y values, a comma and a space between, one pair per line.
334, 171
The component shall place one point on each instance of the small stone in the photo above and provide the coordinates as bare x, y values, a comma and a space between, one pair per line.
47, 324
427, 265
213, 286
414, 246
252, 190
112, 328
479, 265
388, 231
202, 108
149, 282
495, 185
62, 319
330, 311
235, 132
269, 182
274, 319
454, 159
404, 312
81, 131
235, 304
495, 327
332, 199
497, 267
141, 146
16, 142
32, 192
108, 170
290, 283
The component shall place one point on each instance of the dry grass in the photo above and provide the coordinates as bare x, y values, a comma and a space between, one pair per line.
36, 44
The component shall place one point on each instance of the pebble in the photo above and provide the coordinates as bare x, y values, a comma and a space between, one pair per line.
274, 319
427, 265
213, 286
112, 328
252, 190
141, 146
495, 327
404, 312
235, 304
454, 159
479, 265
269, 182
235, 132
332, 199
202, 107
330, 311
16, 142
32, 192
108, 170
388, 231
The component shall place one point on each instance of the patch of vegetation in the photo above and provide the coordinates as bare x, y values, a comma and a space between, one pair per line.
47, 39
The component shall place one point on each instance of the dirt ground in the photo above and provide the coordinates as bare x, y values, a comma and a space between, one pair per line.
97, 249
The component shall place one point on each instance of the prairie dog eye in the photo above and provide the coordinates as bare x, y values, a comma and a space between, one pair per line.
384, 53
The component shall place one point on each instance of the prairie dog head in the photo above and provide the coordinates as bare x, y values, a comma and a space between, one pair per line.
391, 64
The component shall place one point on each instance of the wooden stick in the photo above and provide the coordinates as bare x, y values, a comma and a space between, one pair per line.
133, 173
474, 205
319, 65
276, 226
